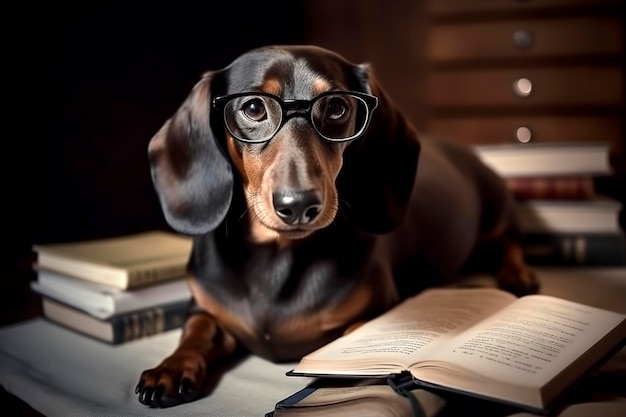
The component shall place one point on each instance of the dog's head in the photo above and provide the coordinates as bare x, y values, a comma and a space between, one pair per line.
305, 133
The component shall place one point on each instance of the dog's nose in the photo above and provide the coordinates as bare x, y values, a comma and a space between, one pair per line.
297, 207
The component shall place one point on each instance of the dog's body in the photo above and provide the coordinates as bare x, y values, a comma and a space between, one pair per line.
299, 238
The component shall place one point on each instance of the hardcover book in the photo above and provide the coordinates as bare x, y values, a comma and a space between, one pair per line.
599, 215
480, 342
102, 301
552, 187
349, 398
121, 262
120, 328
598, 249
544, 159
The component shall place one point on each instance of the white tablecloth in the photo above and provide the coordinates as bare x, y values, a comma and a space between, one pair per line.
61, 373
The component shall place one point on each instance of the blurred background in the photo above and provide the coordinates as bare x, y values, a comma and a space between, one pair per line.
89, 84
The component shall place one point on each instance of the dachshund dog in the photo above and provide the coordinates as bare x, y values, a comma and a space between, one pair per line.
299, 180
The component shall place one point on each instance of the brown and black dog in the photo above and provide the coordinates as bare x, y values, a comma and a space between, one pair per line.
299, 179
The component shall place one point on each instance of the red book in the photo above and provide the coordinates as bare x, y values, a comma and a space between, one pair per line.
552, 188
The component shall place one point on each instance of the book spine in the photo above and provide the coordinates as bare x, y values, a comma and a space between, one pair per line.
572, 188
147, 322
599, 249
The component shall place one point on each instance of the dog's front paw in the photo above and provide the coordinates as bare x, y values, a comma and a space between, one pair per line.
519, 279
178, 379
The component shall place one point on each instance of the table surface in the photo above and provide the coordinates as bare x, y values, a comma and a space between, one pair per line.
600, 287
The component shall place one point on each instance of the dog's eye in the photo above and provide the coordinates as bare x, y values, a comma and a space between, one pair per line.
336, 108
255, 109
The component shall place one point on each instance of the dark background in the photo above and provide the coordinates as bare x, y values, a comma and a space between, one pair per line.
89, 84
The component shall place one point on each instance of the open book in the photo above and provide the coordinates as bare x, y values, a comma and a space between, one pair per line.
480, 341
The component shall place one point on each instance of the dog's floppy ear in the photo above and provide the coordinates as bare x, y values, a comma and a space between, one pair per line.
380, 167
190, 172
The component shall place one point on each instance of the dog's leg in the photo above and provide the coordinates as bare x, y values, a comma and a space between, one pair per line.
514, 274
180, 377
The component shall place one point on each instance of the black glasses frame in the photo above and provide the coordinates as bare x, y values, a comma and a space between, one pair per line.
299, 108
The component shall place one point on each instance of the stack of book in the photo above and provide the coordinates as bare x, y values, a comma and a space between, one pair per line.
564, 219
115, 289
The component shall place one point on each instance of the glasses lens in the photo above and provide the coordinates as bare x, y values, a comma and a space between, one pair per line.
253, 118
339, 116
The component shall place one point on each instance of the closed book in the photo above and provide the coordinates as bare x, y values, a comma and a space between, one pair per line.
122, 327
356, 397
121, 262
563, 249
545, 159
565, 188
599, 215
103, 301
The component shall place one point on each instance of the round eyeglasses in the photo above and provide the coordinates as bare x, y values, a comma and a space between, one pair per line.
337, 116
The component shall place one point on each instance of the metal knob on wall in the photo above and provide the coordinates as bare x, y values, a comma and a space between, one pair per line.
522, 87
523, 39
523, 134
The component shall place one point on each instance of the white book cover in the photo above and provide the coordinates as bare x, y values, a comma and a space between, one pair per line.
546, 159
599, 215
104, 302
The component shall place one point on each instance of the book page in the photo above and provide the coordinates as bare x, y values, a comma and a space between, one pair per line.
531, 341
408, 331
